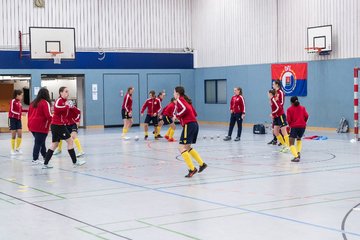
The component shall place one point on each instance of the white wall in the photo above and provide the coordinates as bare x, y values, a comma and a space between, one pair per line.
54, 85
237, 32
102, 23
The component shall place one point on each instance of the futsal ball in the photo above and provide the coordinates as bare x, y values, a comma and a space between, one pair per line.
353, 141
136, 138
211, 137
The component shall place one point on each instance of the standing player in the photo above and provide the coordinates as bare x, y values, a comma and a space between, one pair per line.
279, 121
59, 130
126, 111
15, 121
153, 106
72, 122
187, 116
237, 111
40, 116
160, 97
168, 117
297, 117
280, 97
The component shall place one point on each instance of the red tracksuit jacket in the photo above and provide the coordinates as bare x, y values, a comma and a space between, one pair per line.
276, 109
297, 116
127, 103
73, 116
169, 110
280, 97
39, 118
185, 112
237, 104
61, 111
15, 109
153, 105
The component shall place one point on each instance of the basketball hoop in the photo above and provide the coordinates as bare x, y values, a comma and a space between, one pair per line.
313, 50
56, 56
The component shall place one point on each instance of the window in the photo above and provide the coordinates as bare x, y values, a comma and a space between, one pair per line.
215, 91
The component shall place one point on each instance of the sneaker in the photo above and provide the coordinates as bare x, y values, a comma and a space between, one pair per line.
80, 154
227, 138
272, 142
279, 144
146, 137
19, 151
47, 166
299, 155
167, 137
156, 137
125, 138
36, 162
237, 139
202, 167
297, 159
159, 136
284, 149
171, 140
191, 173
79, 163
57, 151
13, 153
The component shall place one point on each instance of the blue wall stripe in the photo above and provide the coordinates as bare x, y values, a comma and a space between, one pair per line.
90, 60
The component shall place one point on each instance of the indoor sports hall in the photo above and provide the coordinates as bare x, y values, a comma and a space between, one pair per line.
179, 119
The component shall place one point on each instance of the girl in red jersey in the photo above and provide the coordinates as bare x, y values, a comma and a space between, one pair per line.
153, 106
167, 117
297, 117
187, 116
39, 120
237, 111
126, 111
15, 121
279, 120
59, 130
72, 122
280, 97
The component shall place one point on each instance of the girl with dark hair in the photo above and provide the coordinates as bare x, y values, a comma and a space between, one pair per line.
153, 106
237, 111
297, 117
15, 121
167, 118
279, 120
187, 116
39, 120
126, 111
59, 130
280, 97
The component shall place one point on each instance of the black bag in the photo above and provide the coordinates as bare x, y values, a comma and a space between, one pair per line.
259, 129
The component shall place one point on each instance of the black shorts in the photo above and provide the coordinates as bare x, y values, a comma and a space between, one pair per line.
152, 119
167, 120
189, 133
125, 114
280, 121
72, 128
14, 124
59, 132
297, 133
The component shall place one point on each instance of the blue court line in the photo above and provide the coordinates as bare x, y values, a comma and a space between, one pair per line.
259, 177
220, 204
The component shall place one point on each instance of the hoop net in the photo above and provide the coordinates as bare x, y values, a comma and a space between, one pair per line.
56, 56
313, 50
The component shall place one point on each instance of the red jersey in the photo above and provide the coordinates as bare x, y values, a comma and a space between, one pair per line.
280, 97
276, 109
297, 116
185, 111
39, 118
73, 116
127, 103
169, 110
61, 111
15, 109
237, 104
153, 106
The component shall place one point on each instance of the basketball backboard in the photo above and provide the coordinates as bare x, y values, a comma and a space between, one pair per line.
45, 40
319, 38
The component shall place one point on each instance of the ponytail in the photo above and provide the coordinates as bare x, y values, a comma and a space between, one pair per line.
295, 101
